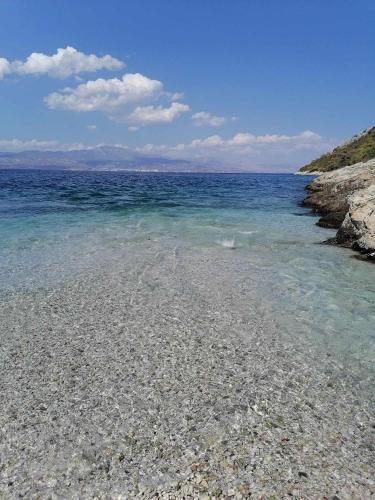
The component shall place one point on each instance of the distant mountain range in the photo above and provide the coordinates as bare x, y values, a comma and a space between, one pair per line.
359, 148
104, 158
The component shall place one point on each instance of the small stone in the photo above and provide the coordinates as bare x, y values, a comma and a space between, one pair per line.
244, 489
196, 466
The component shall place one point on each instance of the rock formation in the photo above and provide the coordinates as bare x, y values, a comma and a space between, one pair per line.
346, 200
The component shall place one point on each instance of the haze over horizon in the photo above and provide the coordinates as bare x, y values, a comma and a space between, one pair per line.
230, 84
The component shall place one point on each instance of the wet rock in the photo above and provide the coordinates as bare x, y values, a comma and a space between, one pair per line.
332, 220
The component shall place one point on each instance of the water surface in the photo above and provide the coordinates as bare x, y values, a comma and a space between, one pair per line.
54, 225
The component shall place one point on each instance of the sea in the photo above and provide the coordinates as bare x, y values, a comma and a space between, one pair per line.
57, 225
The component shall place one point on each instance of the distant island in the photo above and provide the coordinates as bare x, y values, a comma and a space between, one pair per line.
344, 193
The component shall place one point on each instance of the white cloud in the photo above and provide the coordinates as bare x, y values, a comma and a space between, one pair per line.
15, 145
176, 96
203, 119
238, 141
91, 127
245, 138
154, 114
66, 62
127, 99
110, 96
4, 67
213, 140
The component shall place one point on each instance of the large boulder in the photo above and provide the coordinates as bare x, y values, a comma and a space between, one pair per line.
329, 192
358, 228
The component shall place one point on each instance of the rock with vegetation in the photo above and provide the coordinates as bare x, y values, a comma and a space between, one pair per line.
346, 199
360, 148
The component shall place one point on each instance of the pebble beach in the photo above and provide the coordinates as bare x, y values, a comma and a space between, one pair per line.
164, 376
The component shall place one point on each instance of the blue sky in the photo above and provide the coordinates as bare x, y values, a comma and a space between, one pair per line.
261, 72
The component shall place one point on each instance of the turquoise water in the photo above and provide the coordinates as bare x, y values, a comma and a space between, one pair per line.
54, 225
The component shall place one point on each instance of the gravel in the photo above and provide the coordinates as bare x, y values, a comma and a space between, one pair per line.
165, 375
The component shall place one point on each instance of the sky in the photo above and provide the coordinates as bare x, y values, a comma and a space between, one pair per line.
268, 85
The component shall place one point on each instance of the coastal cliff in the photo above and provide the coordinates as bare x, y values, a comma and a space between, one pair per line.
345, 198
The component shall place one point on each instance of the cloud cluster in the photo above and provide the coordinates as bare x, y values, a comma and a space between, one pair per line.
116, 97
243, 142
134, 98
138, 100
66, 62
269, 152
244, 149
110, 96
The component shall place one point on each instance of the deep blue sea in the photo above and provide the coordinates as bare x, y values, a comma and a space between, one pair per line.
55, 225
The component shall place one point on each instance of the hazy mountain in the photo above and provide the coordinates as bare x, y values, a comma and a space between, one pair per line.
105, 158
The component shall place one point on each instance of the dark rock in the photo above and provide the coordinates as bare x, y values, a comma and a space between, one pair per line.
330, 241
332, 220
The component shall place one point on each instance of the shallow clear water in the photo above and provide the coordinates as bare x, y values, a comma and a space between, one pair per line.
54, 225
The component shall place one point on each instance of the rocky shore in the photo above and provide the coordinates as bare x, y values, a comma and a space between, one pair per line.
345, 198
